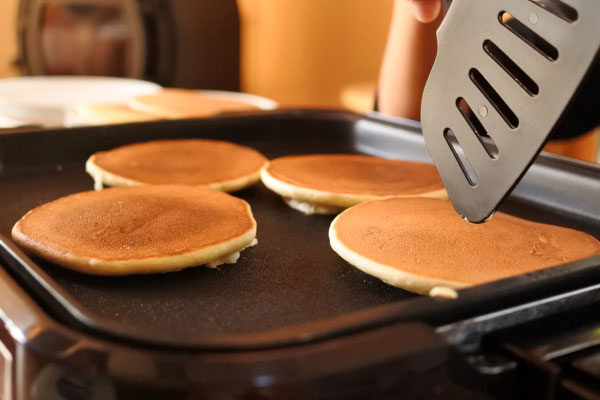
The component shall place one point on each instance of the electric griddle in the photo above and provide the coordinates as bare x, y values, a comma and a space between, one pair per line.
290, 320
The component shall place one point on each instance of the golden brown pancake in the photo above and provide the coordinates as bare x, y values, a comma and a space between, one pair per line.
105, 114
215, 164
422, 244
182, 103
138, 230
327, 183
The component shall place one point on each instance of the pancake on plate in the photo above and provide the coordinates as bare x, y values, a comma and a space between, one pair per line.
138, 230
182, 103
423, 245
328, 183
198, 162
104, 114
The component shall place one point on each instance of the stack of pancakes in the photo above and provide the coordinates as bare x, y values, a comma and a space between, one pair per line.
169, 103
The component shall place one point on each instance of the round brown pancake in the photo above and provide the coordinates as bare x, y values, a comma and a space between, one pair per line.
182, 103
137, 230
420, 244
343, 180
214, 164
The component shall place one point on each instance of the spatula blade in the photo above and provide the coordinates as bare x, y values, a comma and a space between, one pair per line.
504, 75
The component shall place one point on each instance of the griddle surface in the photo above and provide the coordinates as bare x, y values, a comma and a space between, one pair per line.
291, 277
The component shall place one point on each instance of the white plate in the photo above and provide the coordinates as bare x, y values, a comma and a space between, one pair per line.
45, 99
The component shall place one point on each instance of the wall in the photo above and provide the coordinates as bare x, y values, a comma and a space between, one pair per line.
304, 52
8, 45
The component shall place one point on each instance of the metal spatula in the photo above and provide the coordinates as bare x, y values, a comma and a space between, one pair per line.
505, 72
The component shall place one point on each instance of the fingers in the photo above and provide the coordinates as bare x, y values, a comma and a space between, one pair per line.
426, 10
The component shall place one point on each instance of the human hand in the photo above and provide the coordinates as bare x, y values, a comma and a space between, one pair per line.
426, 10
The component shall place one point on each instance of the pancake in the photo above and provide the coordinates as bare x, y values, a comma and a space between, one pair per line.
197, 162
138, 230
182, 103
422, 245
328, 183
105, 114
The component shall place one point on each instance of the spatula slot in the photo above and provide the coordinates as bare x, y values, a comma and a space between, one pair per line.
528, 36
461, 157
494, 98
487, 142
558, 8
511, 68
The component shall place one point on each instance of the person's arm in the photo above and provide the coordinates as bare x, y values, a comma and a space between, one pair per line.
409, 55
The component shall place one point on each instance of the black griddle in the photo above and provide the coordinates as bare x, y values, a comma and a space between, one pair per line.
291, 289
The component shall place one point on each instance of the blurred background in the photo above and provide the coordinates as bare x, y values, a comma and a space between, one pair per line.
8, 38
300, 53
